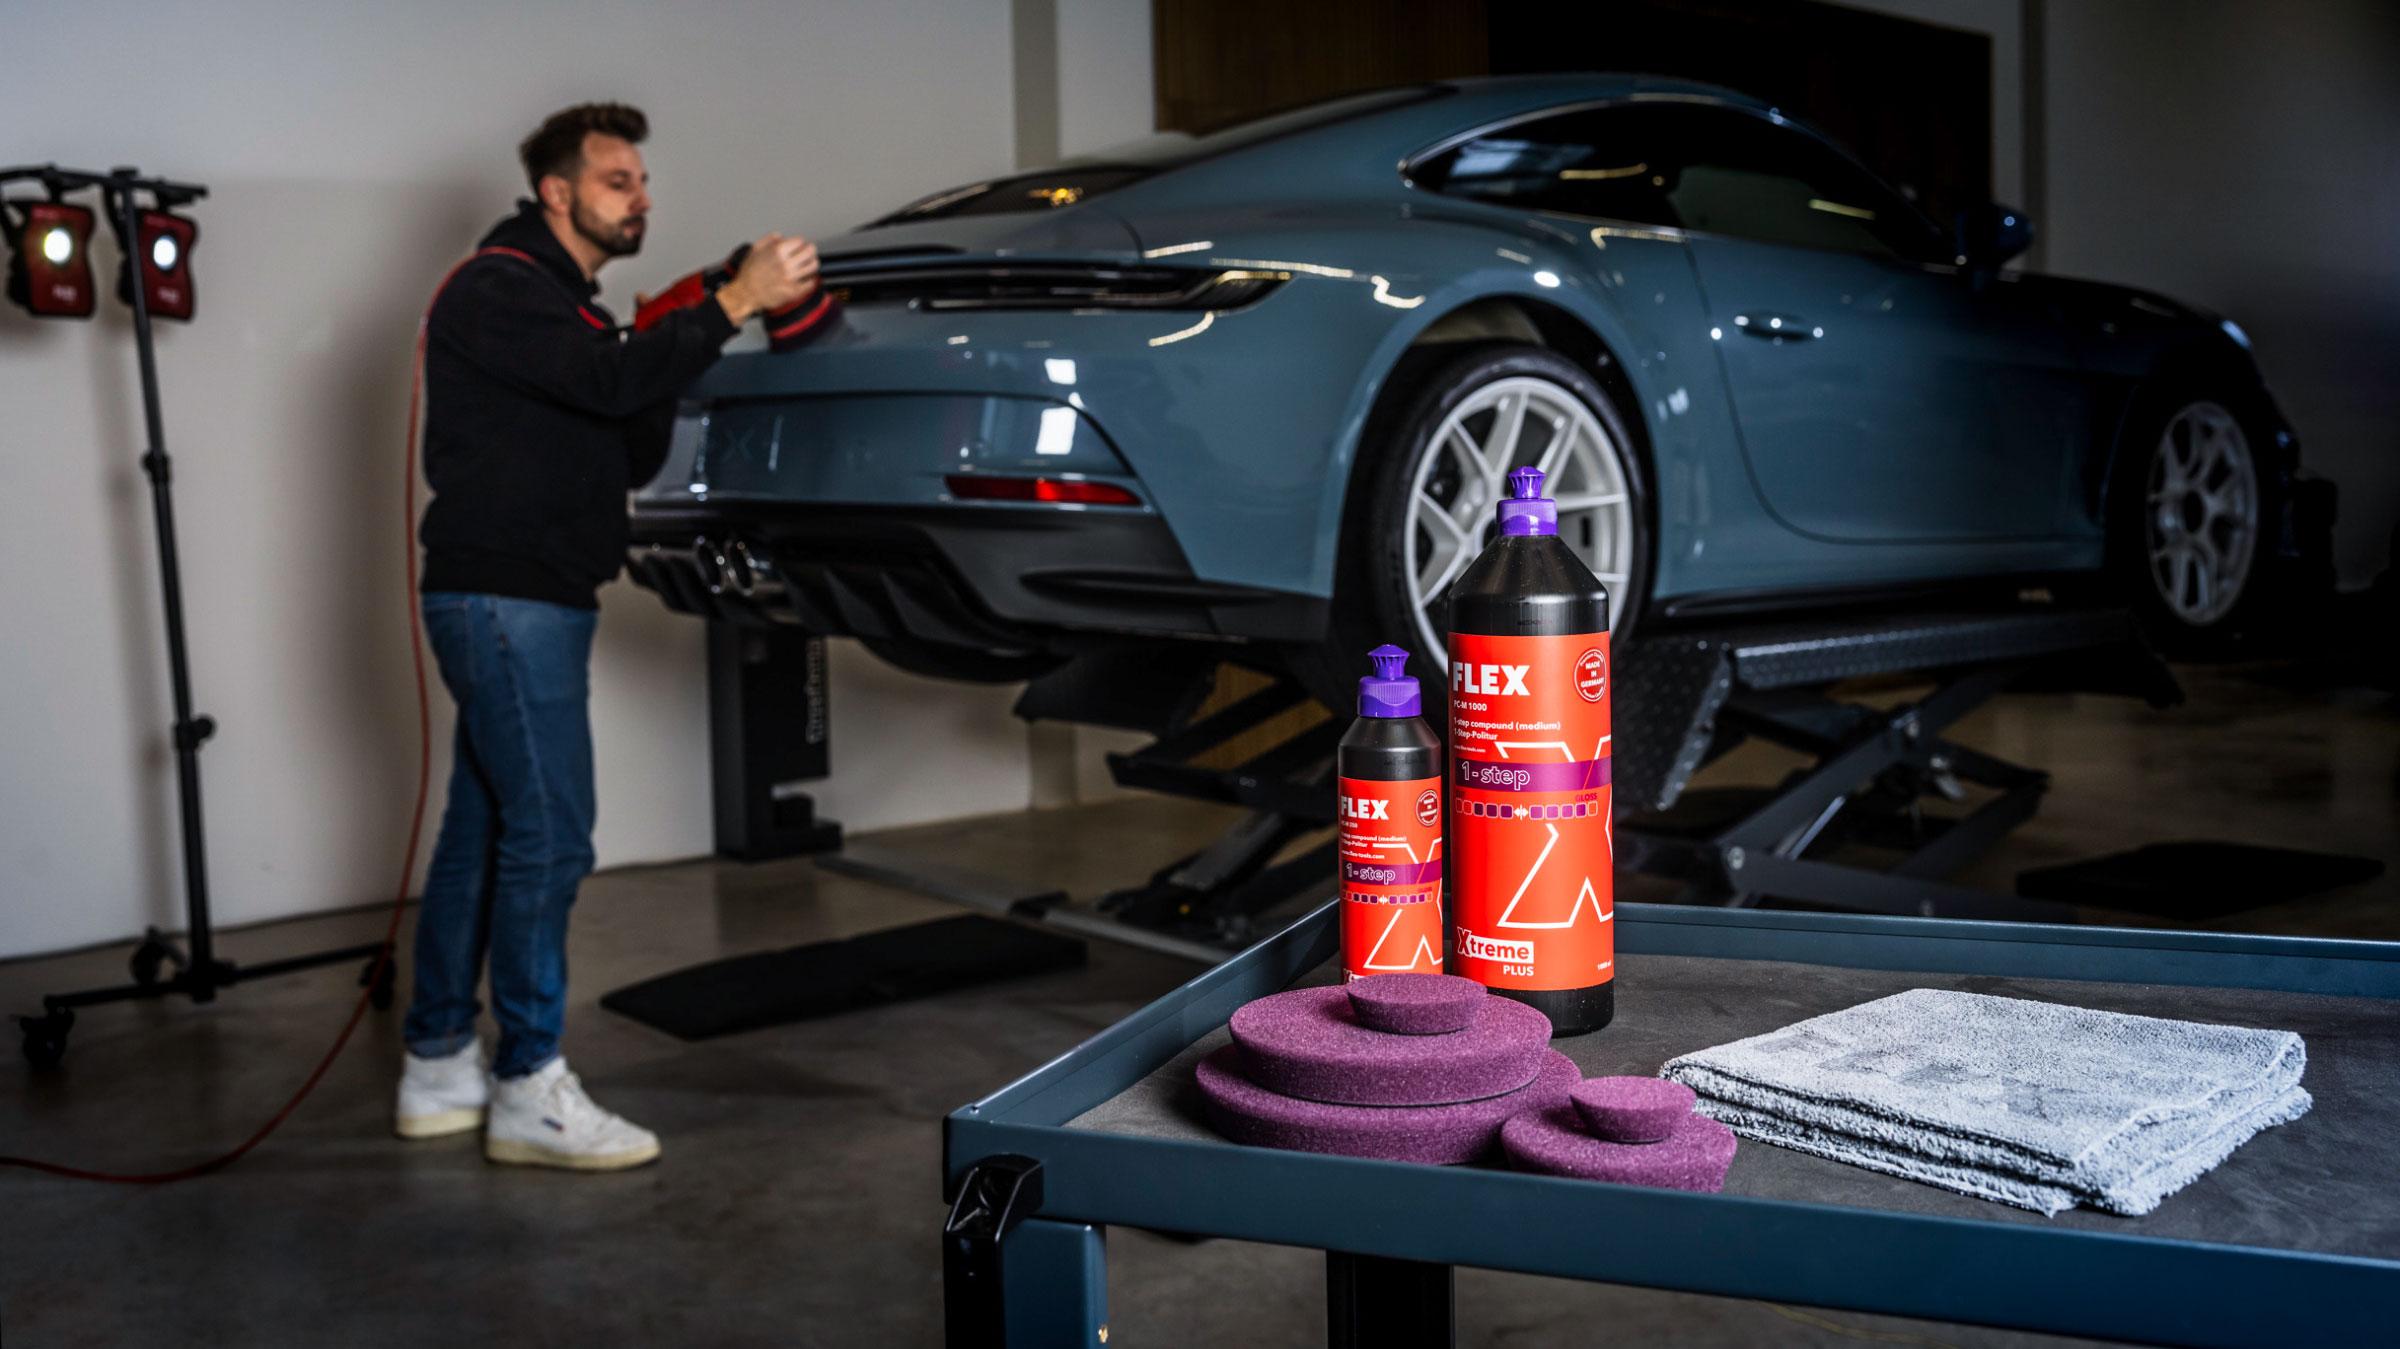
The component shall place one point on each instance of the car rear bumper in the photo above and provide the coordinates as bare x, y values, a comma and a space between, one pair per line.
994, 578
1234, 425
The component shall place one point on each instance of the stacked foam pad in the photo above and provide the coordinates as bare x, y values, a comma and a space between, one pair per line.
1401, 1067
1631, 1130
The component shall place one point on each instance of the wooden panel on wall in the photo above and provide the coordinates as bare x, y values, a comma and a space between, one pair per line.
1220, 61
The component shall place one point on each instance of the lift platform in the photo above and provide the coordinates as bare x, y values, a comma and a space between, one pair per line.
1881, 781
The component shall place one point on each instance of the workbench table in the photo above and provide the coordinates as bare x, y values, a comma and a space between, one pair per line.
2294, 1239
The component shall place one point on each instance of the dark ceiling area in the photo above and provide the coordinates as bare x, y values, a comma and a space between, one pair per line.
1911, 99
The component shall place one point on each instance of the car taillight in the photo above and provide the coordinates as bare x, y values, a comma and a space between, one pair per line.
1055, 491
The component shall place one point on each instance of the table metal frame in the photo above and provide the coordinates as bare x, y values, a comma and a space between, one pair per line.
1025, 1260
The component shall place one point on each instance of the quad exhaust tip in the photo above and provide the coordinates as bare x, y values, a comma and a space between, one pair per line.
728, 568
710, 559
741, 569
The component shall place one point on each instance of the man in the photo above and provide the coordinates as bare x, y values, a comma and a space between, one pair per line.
539, 416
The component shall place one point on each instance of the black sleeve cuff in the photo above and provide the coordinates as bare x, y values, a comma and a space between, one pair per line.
708, 319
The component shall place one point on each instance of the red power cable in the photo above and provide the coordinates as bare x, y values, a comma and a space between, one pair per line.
416, 822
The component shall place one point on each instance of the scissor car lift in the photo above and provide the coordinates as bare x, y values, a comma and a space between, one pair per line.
1685, 697
1206, 906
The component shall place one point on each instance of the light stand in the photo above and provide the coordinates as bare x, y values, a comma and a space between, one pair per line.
198, 973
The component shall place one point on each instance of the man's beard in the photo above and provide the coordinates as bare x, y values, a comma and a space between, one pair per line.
623, 240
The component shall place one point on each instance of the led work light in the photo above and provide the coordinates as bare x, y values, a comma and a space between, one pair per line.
49, 258
162, 252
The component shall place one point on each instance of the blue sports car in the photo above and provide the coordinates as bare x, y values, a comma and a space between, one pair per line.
1262, 386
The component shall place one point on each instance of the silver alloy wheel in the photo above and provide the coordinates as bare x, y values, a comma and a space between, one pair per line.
2200, 517
1498, 428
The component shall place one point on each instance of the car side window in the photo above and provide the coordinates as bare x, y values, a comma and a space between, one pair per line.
1734, 173
1721, 170
1588, 163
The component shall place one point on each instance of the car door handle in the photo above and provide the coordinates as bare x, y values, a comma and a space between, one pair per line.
1777, 327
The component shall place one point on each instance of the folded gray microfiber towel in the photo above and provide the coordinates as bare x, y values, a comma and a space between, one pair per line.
2030, 1103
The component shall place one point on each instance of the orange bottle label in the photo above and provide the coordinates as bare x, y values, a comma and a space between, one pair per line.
1390, 853
1532, 861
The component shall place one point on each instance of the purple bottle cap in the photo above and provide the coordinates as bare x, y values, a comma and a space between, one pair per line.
1388, 692
1527, 511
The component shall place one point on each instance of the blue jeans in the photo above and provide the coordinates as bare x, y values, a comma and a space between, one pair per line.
516, 834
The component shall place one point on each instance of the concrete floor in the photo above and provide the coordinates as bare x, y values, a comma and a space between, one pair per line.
798, 1200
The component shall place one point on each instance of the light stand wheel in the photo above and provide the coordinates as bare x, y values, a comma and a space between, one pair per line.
46, 1036
154, 954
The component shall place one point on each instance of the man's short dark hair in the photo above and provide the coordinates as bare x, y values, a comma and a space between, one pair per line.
556, 146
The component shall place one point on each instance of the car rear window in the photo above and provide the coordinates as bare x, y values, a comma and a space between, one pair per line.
1086, 177
1170, 149
1044, 191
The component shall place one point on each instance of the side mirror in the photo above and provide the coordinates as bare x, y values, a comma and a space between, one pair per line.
1990, 235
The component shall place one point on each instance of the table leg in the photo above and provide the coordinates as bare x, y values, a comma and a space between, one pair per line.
1009, 1279
1046, 1284
1056, 1278
1373, 1302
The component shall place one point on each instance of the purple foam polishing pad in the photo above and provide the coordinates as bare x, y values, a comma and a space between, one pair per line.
1308, 1043
1441, 1134
1551, 1140
1632, 1109
1416, 1004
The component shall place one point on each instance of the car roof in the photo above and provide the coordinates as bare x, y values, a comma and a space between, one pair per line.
1363, 146
1481, 101
1568, 87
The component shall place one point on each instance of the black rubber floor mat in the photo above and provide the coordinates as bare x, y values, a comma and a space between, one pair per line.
2196, 880
825, 978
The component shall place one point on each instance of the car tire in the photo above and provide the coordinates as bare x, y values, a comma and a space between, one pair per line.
966, 664
2192, 499
1393, 570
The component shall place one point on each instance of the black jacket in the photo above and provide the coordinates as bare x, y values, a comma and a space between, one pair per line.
539, 416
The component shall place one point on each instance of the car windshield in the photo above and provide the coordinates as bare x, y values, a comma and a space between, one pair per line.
1088, 176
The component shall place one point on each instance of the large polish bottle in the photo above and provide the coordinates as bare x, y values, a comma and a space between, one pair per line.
1532, 859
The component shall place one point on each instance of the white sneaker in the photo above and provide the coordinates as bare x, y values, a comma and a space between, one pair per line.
545, 1119
444, 1096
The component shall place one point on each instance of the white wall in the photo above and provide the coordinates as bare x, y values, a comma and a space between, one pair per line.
1105, 74
353, 151
2246, 156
